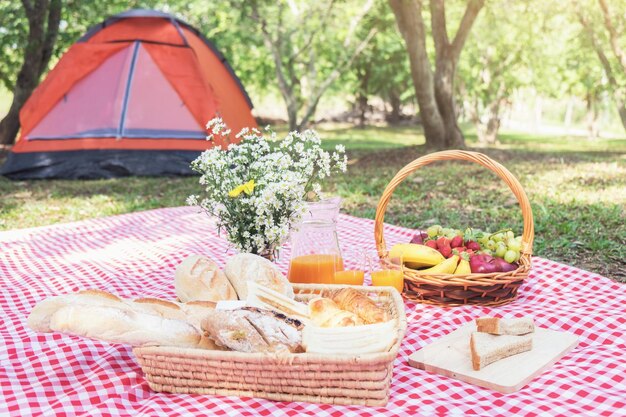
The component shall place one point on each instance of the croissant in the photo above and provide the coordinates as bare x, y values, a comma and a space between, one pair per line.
361, 305
324, 312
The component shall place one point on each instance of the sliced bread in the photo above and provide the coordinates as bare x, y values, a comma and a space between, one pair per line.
495, 325
486, 348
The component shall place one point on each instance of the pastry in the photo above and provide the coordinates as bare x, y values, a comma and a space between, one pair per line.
351, 300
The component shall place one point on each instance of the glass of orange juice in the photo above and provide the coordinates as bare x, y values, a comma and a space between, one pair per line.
387, 272
355, 265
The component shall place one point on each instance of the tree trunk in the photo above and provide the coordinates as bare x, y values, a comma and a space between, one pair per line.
591, 117
434, 91
569, 111
396, 108
621, 109
43, 26
445, 69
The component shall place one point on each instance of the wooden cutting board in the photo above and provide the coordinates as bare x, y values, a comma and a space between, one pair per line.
450, 356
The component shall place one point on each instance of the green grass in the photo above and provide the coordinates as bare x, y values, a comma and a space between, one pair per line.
577, 189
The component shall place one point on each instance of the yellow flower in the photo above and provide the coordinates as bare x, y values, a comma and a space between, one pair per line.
247, 188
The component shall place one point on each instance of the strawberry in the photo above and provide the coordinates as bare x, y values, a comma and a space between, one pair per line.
446, 251
456, 241
431, 244
473, 245
442, 242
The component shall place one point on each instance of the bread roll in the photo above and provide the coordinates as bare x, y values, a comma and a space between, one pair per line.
324, 312
199, 278
246, 267
250, 329
361, 305
115, 325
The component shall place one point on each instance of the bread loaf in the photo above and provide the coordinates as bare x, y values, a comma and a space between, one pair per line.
199, 278
495, 325
246, 267
250, 329
487, 348
116, 325
351, 300
324, 312
127, 319
39, 317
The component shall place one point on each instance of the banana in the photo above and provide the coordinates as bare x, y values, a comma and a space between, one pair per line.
446, 267
416, 256
463, 268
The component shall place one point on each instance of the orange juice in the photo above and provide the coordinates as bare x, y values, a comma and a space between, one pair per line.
388, 278
350, 277
315, 269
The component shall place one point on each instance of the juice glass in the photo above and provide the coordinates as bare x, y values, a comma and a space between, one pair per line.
354, 263
388, 272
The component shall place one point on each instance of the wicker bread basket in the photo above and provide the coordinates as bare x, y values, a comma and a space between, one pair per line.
332, 379
451, 290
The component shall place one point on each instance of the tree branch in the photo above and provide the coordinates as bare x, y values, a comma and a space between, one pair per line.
438, 24
52, 30
471, 12
606, 64
354, 23
617, 50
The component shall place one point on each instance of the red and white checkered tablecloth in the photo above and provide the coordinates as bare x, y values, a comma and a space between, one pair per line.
135, 255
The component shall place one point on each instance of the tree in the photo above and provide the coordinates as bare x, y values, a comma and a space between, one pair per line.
382, 69
308, 49
43, 18
435, 90
614, 72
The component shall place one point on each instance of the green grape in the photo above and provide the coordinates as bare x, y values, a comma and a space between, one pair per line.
487, 252
433, 231
498, 237
446, 231
510, 256
519, 254
483, 241
510, 235
491, 245
515, 245
500, 250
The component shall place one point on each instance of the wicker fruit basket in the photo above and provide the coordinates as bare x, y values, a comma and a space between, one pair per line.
452, 290
332, 379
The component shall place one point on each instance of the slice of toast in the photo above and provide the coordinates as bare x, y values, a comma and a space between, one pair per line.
495, 325
487, 348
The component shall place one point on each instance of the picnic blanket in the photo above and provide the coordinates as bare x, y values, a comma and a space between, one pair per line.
135, 255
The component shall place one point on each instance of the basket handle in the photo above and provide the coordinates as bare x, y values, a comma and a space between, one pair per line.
528, 234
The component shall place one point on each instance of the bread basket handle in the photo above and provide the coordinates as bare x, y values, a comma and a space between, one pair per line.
527, 214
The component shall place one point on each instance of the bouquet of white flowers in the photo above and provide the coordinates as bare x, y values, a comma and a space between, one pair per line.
257, 188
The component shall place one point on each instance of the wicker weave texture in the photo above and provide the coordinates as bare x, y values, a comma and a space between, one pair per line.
332, 379
452, 290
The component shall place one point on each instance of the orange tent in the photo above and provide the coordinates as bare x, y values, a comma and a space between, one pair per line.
131, 97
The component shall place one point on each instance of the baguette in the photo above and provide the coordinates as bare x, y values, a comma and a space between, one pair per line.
124, 326
130, 322
198, 278
351, 300
487, 348
494, 325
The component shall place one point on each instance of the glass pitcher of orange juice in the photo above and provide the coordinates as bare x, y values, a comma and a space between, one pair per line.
315, 253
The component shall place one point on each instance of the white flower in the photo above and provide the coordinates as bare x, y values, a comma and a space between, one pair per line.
283, 174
